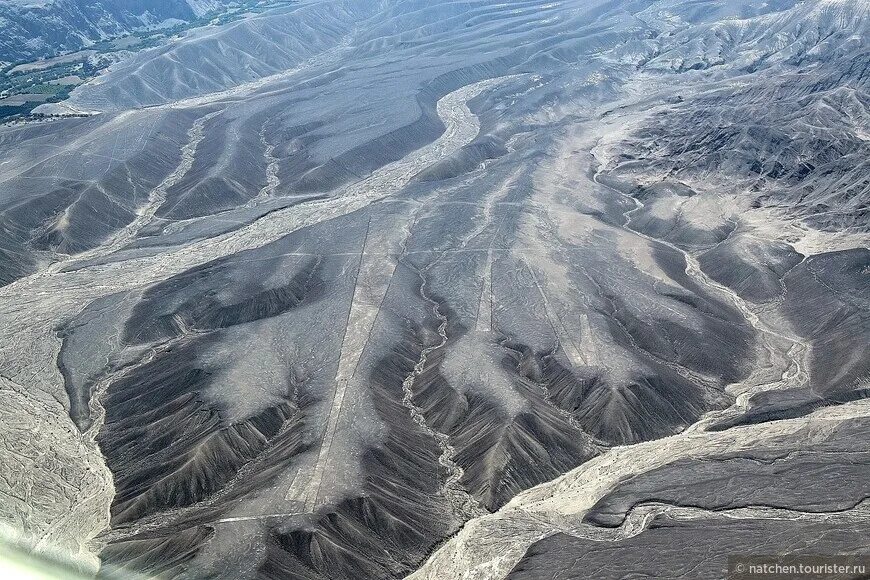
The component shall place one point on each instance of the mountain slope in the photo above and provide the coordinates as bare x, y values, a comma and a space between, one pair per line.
33, 30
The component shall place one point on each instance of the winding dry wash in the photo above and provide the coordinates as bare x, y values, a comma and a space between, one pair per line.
339, 289
29, 315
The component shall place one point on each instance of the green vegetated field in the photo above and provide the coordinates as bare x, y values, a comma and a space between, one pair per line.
57, 75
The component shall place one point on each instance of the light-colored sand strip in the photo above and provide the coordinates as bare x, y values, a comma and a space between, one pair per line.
587, 342
312, 487
575, 354
484, 309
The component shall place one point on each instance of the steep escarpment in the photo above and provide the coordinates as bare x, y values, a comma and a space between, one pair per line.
367, 290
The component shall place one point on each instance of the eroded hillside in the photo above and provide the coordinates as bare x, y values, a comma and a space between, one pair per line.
362, 290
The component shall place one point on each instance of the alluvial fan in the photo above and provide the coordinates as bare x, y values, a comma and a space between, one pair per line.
338, 289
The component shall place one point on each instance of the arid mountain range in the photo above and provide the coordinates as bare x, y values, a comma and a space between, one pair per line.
346, 289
